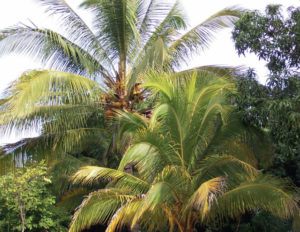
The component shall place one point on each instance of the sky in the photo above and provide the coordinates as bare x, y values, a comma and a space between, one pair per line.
221, 52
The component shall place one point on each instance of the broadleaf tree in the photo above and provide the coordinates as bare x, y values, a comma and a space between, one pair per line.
275, 106
27, 204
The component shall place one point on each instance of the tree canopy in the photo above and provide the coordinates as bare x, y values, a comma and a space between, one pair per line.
271, 37
193, 162
27, 204
275, 107
95, 69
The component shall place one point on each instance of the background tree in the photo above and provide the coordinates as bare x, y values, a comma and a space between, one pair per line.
27, 204
271, 37
275, 106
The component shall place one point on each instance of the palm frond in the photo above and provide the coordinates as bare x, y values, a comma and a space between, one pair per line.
38, 96
91, 174
160, 193
153, 50
78, 31
150, 15
98, 208
265, 193
73, 199
123, 216
175, 180
201, 35
116, 25
149, 154
207, 194
225, 165
62, 167
50, 48
220, 70
131, 122
246, 143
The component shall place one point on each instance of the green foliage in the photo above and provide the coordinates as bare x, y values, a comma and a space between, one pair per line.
184, 168
271, 37
275, 106
251, 222
27, 204
126, 39
276, 110
261, 106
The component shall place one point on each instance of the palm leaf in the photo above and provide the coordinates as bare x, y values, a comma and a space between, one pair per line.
201, 35
265, 193
39, 95
50, 48
203, 198
98, 208
91, 174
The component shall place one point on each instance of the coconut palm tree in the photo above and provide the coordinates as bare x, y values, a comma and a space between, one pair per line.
193, 162
97, 68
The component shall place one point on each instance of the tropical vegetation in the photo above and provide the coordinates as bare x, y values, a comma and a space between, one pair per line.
153, 148
194, 162
277, 103
273, 37
26, 204
98, 69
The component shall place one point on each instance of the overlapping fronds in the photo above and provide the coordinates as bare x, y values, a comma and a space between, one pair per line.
70, 21
92, 174
43, 96
54, 146
266, 193
98, 208
176, 179
208, 192
73, 199
50, 48
125, 39
191, 106
131, 122
172, 153
149, 154
246, 143
62, 167
123, 216
220, 70
233, 168
154, 51
116, 24
62, 106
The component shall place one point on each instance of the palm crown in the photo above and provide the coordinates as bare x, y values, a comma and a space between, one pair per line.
98, 67
193, 161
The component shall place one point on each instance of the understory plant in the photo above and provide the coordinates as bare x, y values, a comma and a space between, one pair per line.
26, 204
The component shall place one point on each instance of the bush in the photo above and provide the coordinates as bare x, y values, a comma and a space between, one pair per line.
26, 204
